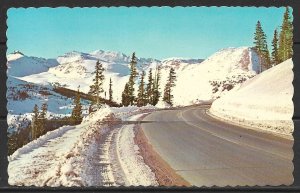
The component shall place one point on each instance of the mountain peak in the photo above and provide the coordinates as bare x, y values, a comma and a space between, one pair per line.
15, 55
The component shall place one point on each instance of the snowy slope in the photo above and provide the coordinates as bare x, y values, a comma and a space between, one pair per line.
22, 96
264, 101
193, 83
20, 65
194, 75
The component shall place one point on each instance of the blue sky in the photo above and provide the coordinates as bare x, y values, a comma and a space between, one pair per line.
194, 32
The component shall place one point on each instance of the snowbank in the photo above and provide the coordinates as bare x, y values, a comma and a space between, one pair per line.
264, 101
39, 142
162, 105
69, 156
57, 158
132, 163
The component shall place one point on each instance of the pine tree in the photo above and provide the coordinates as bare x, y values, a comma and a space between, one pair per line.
285, 49
76, 116
261, 47
34, 122
133, 75
155, 87
275, 57
42, 120
97, 88
141, 98
149, 89
168, 97
110, 91
125, 96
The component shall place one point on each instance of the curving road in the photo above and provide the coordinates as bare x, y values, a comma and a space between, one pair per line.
207, 152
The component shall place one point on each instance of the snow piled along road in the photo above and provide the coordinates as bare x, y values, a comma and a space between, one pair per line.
136, 172
98, 152
264, 102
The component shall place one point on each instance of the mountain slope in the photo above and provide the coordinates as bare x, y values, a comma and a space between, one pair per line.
194, 82
20, 65
22, 96
264, 101
76, 69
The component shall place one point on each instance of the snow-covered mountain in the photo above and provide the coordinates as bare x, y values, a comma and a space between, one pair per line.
194, 76
264, 101
195, 83
20, 65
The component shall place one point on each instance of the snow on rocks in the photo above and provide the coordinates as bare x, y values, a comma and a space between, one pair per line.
264, 102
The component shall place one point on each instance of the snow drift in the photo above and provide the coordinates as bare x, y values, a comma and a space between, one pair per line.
264, 101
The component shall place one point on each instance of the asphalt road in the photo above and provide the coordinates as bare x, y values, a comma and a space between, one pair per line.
206, 151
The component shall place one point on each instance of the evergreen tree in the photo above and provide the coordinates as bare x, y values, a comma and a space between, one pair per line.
285, 49
168, 88
261, 47
42, 120
125, 96
149, 89
141, 98
76, 116
97, 88
155, 87
34, 122
133, 75
110, 91
275, 57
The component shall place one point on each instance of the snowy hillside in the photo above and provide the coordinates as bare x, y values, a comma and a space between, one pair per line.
264, 101
20, 65
195, 76
193, 83
22, 96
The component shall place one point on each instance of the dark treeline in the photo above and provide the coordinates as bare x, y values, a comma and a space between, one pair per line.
282, 43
